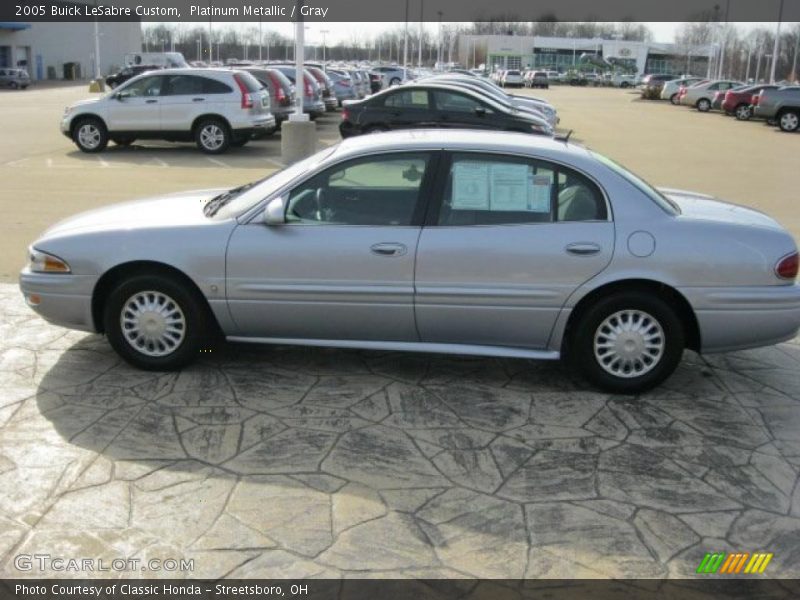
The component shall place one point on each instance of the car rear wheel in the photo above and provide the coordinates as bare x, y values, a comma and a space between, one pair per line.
789, 121
627, 342
90, 135
704, 105
13, 85
743, 112
155, 323
212, 136
395, 81
674, 99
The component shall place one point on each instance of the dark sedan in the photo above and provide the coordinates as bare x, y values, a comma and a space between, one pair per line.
435, 105
122, 76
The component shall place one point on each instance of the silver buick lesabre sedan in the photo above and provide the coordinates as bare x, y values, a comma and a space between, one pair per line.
453, 241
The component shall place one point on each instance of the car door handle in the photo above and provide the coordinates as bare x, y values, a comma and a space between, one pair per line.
583, 248
198, 99
150, 101
388, 249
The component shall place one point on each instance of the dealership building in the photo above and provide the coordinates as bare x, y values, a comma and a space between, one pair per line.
562, 54
59, 50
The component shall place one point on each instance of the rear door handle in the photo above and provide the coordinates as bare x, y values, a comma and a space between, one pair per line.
198, 99
150, 101
583, 248
388, 249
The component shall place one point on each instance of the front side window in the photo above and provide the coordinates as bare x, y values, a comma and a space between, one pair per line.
407, 99
507, 190
381, 190
147, 86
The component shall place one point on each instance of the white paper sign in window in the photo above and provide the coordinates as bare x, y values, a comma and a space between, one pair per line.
510, 184
470, 186
541, 192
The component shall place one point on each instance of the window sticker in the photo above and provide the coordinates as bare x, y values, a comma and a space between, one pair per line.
540, 194
510, 185
470, 186
419, 97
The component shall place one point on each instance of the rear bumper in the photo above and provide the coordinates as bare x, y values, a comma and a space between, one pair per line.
745, 317
331, 103
258, 127
63, 299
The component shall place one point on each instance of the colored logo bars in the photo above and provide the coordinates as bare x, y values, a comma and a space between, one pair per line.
735, 562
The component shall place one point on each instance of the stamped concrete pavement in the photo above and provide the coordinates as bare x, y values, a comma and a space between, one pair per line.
299, 462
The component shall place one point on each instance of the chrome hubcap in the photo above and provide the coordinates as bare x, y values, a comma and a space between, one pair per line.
629, 343
743, 112
153, 323
89, 136
789, 121
212, 137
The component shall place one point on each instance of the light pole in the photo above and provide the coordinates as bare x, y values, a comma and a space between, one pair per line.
421, 20
775, 45
723, 40
324, 32
405, 40
260, 39
439, 44
198, 48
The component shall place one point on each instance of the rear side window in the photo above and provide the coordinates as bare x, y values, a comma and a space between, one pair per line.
182, 85
407, 99
455, 102
212, 86
508, 190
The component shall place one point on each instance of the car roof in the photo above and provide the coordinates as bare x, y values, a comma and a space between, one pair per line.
460, 139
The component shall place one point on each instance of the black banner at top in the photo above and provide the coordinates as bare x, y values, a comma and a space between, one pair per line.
395, 10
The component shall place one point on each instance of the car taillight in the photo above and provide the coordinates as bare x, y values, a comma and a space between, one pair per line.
280, 95
247, 100
309, 91
755, 99
345, 115
787, 266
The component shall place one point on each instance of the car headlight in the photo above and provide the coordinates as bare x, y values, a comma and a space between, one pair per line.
42, 262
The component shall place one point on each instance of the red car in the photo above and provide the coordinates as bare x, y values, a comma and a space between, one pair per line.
739, 102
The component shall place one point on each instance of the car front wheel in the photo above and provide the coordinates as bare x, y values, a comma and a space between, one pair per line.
743, 112
703, 105
789, 121
212, 136
155, 323
627, 342
90, 135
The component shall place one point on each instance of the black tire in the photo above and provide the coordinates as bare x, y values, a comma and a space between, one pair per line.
703, 105
123, 141
674, 100
13, 85
213, 136
90, 135
624, 84
195, 322
789, 120
581, 342
394, 81
743, 112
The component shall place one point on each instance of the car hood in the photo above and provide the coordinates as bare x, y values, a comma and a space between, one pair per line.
85, 102
173, 210
694, 205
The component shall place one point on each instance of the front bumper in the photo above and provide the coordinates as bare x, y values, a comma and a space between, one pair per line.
745, 317
62, 299
331, 103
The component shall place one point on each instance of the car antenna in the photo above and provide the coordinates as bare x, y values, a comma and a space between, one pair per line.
565, 138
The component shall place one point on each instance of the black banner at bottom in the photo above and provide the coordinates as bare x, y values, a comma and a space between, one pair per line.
709, 588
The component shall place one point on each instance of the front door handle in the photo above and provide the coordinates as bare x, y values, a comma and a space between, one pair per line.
198, 99
150, 101
388, 249
583, 248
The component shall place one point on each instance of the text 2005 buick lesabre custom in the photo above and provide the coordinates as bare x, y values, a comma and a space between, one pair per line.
495, 244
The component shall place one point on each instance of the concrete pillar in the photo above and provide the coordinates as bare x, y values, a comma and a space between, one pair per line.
298, 140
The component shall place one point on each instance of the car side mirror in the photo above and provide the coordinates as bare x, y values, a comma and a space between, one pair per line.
122, 95
275, 212
480, 111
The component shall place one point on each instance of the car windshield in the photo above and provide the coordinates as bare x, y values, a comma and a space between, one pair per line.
239, 199
660, 199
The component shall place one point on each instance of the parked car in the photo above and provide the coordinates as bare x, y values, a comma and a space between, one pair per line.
454, 241
672, 88
312, 94
537, 79
281, 91
343, 87
781, 105
361, 85
391, 75
375, 82
16, 79
701, 95
624, 80
423, 105
512, 78
127, 73
217, 108
738, 101
653, 84
540, 107
325, 86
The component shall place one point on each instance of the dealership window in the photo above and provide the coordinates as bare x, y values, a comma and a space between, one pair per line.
379, 190
507, 190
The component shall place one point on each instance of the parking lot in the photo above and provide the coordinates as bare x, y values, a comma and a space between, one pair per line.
297, 462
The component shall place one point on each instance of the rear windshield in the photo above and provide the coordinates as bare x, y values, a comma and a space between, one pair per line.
251, 84
665, 203
512, 72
